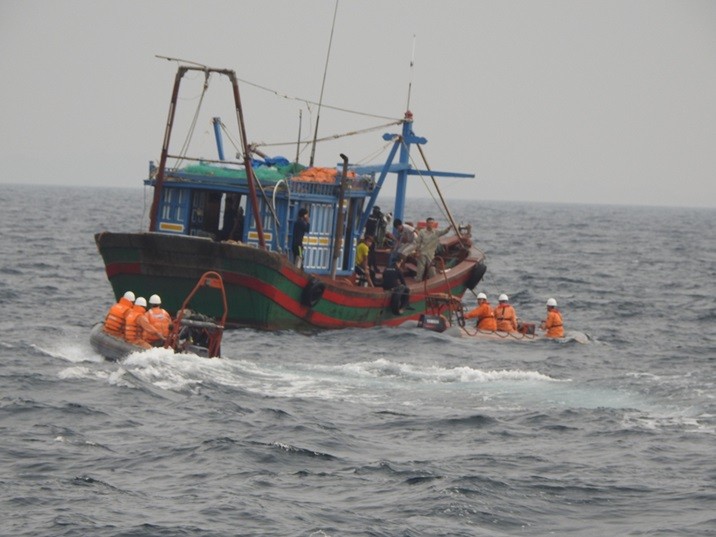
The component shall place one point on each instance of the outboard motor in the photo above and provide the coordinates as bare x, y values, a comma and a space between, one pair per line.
436, 323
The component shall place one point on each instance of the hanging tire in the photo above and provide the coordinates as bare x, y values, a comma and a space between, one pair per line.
399, 299
478, 271
313, 292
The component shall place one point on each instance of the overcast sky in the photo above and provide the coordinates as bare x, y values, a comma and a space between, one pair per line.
552, 101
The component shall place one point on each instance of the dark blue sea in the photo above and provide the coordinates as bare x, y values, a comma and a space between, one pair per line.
381, 432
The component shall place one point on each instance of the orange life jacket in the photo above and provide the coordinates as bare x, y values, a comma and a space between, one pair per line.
553, 324
132, 329
159, 319
485, 317
114, 321
506, 318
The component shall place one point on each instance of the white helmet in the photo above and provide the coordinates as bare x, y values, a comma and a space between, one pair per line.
141, 301
503, 298
552, 302
481, 296
129, 296
154, 300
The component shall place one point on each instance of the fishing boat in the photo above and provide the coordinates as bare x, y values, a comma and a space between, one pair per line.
237, 219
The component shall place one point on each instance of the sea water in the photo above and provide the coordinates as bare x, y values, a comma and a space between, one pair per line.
370, 432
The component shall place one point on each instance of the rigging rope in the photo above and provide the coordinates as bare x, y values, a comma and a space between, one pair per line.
286, 96
190, 134
333, 136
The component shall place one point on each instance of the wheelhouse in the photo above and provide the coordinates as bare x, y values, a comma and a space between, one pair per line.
209, 199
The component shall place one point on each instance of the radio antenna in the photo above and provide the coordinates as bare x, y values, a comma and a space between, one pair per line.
412, 63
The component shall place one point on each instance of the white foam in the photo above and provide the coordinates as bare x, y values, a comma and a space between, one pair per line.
72, 352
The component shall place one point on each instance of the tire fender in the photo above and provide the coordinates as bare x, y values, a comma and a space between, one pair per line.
478, 271
313, 292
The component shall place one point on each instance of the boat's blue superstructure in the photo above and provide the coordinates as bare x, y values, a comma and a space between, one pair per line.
196, 199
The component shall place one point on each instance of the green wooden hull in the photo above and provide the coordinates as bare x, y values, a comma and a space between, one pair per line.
263, 289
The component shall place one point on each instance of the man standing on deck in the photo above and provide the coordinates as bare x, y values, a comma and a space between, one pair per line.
392, 277
425, 246
300, 227
404, 242
363, 274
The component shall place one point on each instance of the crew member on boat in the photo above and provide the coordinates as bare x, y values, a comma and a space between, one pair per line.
137, 324
392, 277
425, 246
484, 314
300, 227
505, 315
404, 242
362, 269
552, 325
160, 319
115, 319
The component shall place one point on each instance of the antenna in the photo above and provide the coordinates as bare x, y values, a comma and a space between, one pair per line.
412, 63
320, 100
298, 142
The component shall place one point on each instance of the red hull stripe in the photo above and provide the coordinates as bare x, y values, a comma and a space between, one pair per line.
353, 300
117, 269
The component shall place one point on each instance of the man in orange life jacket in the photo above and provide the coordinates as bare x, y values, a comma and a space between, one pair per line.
484, 313
114, 321
553, 323
137, 324
505, 315
159, 319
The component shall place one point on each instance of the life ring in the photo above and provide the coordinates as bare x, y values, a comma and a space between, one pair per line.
399, 299
478, 271
313, 292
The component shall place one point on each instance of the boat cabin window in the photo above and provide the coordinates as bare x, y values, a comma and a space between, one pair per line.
173, 208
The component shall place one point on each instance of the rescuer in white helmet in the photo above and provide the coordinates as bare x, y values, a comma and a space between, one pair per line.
552, 325
115, 318
160, 319
484, 314
505, 315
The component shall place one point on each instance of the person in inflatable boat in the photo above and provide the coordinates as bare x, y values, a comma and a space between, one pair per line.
115, 319
137, 324
160, 319
553, 325
505, 315
484, 314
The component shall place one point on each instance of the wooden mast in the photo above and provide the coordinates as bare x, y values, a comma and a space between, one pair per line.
159, 183
161, 173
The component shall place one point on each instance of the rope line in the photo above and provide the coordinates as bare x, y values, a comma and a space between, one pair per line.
331, 137
192, 127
